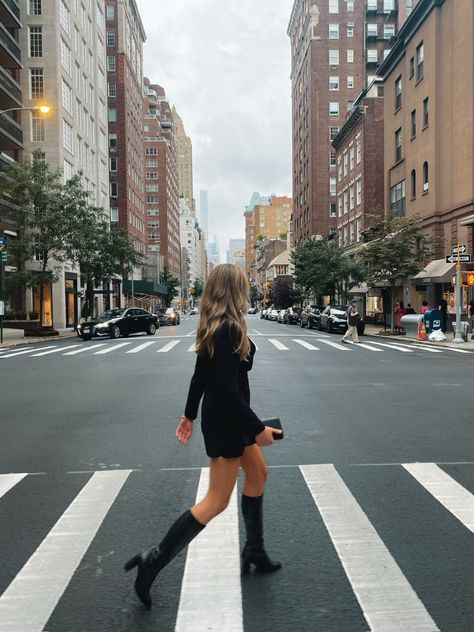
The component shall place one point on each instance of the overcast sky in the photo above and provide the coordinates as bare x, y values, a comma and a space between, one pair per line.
225, 65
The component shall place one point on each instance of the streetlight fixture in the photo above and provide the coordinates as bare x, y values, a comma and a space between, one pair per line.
44, 109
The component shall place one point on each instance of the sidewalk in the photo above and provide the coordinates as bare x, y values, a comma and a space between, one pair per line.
15, 337
374, 330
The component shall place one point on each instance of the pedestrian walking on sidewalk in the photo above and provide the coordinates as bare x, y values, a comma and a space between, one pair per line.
352, 320
233, 434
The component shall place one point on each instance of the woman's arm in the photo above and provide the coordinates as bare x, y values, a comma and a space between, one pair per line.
196, 390
227, 372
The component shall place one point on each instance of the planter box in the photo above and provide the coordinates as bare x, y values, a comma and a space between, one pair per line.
21, 324
41, 332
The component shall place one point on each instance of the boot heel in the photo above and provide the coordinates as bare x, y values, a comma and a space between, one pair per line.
132, 563
245, 567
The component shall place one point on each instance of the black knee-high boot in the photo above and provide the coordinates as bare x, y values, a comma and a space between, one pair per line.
152, 561
254, 551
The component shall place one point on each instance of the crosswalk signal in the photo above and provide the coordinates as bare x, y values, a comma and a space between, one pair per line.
470, 278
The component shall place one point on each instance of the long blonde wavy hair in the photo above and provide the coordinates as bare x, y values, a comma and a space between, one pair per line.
225, 296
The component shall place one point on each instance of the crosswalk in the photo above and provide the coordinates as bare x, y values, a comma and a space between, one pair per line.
313, 343
211, 594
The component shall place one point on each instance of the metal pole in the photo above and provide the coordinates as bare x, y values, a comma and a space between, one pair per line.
133, 292
2, 304
458, 330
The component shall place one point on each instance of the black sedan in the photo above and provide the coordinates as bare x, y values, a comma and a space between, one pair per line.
310, 317
119, 322
168, 316
292, 315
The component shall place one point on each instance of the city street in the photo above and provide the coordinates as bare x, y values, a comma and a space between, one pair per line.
369, 503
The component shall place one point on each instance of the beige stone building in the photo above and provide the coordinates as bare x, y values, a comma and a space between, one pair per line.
184, 149
429, 134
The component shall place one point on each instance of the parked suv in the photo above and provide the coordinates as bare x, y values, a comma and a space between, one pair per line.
310, 316
292, 315
334, 319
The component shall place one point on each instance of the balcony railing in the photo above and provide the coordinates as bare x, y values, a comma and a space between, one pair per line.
10, 55
13, 130
10, 91
10, 13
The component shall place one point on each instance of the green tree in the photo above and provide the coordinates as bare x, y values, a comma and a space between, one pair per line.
395, 251
283, 293
322, 268
283, 235
254, 295
198, 288
171, 283
260, 237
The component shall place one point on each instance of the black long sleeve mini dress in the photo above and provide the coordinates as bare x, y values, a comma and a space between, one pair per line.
228, 422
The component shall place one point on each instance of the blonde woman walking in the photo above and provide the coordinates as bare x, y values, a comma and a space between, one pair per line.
233, 434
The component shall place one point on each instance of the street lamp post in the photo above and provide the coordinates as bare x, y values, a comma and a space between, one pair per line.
44, 109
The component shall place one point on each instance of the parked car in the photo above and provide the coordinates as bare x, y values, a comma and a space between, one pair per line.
168, 316
281, 315
310, 316
334, 319
273, 314
119, 322
263, 313
193, 312
293, 315
252, 310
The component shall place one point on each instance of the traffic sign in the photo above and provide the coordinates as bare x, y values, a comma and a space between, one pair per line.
462, 249
462, 258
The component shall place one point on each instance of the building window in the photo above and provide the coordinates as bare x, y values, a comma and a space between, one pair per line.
152, 199
151, 175
67, 97
398, 144
426, 112
351, 197
339, 168
413, 123
409, 6
426, 182
65, 56
67, 136
113, 141
372, 5
372, 30
339, 205
333, 6
114, 214
388, 5
110, 12
151, 151
334, 108
398, 93
397, 199
334, 58
111, 63
350, 29
358, 229
346, 200
151, 163
388, 31
332, 210
333, 132
333, 83
386, 52
35, 7
36, 83
420, 55
412, 67
351, 157
36, 41
413, 184
358, 191
110, 38
372, 55
350, 56
350, 5
67, 170
334, 31
37, 127
358, 151
112, 90
64, 17
332, 161
113, 163
350, 81
345, 158
332, 186
112, 115
114, 189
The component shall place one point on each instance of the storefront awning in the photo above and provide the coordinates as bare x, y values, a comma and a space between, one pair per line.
150, 288
437, 271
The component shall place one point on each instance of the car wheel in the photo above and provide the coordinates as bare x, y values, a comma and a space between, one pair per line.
151, 329
319, 326
115, 332
178, 322
302, 325
329, 327
86, 336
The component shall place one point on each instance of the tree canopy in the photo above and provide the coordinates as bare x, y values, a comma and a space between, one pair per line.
171, 283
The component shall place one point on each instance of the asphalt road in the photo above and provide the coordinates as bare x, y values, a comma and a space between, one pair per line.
369, 502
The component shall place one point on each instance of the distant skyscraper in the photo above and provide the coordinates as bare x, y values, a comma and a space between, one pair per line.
184, 150
235, 245
204, 213
214, 257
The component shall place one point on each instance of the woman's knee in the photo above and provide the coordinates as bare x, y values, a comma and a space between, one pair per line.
217, 505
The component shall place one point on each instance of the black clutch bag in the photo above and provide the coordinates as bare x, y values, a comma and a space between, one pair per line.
274, 422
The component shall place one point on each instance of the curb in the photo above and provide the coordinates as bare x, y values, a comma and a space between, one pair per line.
420, 342
29, 341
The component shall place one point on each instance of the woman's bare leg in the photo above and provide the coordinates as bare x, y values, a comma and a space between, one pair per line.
222, 479
255, 468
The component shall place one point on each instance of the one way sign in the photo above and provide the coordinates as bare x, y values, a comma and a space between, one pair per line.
462, 258
462, 249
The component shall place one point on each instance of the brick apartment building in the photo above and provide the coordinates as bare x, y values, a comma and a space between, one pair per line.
429, 132
161, 178
125, 37
336, 46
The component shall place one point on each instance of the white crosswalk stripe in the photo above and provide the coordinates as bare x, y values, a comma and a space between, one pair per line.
168, 346
142, 346
8, 481
43, 353
335, 345
389, 346
84, 349
17, 353
363, 345
112, 348
418, 347
305, 344
279, 345
192, 348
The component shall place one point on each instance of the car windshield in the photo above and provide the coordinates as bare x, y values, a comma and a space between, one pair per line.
111, 313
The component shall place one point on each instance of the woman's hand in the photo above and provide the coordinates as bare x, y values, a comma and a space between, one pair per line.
184, 430
266, 436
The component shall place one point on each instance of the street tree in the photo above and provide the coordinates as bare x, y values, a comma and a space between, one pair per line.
198, 288
171, 283
395, 250
284, 294
322, 268
254, 295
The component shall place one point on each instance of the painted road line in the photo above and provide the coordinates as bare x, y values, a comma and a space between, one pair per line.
386, 598
28, 602
456, 498
305, 344
192, 347
43, 353
389, 346
7, 481
336, 345
112, 348
142, 346
86, 348
168, 346
257, 332
191, 333
444, 349
17, 353
14, 349
418, 347
364, 346
279, 345
211, 594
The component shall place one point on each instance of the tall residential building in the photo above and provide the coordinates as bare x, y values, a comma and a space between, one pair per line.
267, 220
65, 67
213, 252
235, 245
161, 178
204, 213
184, 149
124, 44
429, 132
336, 47
191, 236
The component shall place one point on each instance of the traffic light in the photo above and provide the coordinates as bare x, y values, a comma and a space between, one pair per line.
470, 278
